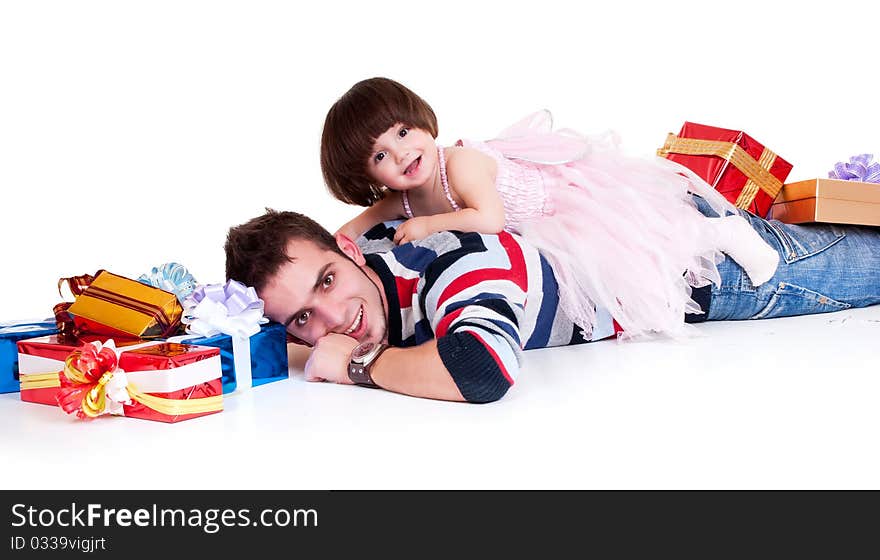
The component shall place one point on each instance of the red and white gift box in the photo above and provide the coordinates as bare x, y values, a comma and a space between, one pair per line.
164, 381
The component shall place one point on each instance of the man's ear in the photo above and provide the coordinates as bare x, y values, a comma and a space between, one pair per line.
350, 248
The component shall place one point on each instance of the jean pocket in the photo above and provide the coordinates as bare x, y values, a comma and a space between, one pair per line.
789, 300
800, 242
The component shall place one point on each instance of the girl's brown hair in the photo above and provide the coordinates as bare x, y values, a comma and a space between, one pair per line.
351, 128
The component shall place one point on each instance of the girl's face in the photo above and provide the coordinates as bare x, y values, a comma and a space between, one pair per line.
403, 158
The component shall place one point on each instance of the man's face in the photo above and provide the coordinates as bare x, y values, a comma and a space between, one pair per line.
322, 291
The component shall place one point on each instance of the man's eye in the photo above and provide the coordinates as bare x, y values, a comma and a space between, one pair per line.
328, 280
403, 132
379, 157
303, 318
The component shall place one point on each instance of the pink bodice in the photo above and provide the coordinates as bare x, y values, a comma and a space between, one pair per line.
521, 184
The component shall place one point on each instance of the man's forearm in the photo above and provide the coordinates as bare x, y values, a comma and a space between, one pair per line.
416, 371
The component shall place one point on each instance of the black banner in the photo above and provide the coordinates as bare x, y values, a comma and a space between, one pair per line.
177, 524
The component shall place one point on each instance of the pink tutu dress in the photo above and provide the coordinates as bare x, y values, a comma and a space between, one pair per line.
621, 233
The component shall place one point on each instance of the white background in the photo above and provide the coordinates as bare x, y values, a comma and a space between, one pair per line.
133, 134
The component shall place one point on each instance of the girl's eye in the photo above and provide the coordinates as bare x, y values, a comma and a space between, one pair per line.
403, 132
379, 157
303, 318
328, 280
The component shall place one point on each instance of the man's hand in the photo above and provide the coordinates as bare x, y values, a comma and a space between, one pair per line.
330, 357
413, 229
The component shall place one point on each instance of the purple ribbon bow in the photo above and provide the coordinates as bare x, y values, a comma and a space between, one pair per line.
859, 168
236, 296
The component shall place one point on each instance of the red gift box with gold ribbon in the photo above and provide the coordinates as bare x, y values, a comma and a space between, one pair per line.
161, 381
744, 171
41, 359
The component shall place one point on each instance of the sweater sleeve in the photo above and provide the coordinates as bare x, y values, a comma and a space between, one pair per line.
475, 307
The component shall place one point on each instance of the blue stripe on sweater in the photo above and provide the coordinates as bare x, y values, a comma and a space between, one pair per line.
549, 307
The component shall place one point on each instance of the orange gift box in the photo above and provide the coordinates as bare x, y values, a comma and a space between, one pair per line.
117, 306
828, 200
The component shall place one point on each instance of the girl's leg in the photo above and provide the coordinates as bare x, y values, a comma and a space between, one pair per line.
735, 236
822, 268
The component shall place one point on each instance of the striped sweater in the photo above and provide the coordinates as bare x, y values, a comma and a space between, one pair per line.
485, 298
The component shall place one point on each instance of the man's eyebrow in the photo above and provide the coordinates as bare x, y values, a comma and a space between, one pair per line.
315, 287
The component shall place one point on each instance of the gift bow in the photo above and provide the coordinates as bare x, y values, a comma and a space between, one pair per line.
92, 384
859, 168
172, 277
232, 309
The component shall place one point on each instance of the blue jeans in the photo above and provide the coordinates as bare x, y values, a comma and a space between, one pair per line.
822, 268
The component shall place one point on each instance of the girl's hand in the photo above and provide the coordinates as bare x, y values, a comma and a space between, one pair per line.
413, 229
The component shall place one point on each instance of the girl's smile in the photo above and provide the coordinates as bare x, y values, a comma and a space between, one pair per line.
413, 168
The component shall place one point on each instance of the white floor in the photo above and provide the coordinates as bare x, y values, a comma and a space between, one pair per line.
784, 403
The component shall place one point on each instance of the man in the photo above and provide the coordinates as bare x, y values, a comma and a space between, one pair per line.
448, 317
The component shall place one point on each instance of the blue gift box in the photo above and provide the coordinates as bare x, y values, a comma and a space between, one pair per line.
268, 355
10, 333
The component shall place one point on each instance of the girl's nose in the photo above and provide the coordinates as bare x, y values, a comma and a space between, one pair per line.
401, 154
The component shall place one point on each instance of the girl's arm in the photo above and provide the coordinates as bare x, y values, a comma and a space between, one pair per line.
472, 173
389, 208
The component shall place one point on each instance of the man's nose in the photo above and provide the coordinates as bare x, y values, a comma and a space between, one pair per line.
334, 316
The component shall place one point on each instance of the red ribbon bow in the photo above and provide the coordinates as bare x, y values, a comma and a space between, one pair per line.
86, 372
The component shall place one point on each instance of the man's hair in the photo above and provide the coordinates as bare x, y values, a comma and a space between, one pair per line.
256, 249
351, 128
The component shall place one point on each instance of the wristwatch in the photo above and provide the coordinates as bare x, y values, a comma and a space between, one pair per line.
362, 357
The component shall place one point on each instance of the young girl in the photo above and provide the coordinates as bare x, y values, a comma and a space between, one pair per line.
622, 233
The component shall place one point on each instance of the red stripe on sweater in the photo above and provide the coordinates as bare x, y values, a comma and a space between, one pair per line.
494, 357
406, 288
516, 273
443, 326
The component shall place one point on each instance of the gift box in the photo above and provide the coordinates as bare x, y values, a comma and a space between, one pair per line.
116, 306
161, 381
746, 172
40, 361
828, 200
267, 355
10, 334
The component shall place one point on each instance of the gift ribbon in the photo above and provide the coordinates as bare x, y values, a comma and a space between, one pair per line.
232, 309
92, 384
756, 171
171, 277
63, 319
39, 380
860, 168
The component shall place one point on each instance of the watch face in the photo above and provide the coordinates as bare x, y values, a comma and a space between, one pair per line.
361, 351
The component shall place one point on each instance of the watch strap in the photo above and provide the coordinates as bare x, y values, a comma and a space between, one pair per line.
359, 373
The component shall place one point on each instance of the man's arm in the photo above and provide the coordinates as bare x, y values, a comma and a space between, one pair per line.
417, 371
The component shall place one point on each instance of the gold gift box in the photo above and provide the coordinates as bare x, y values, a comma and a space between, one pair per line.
828, 200
119, 306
